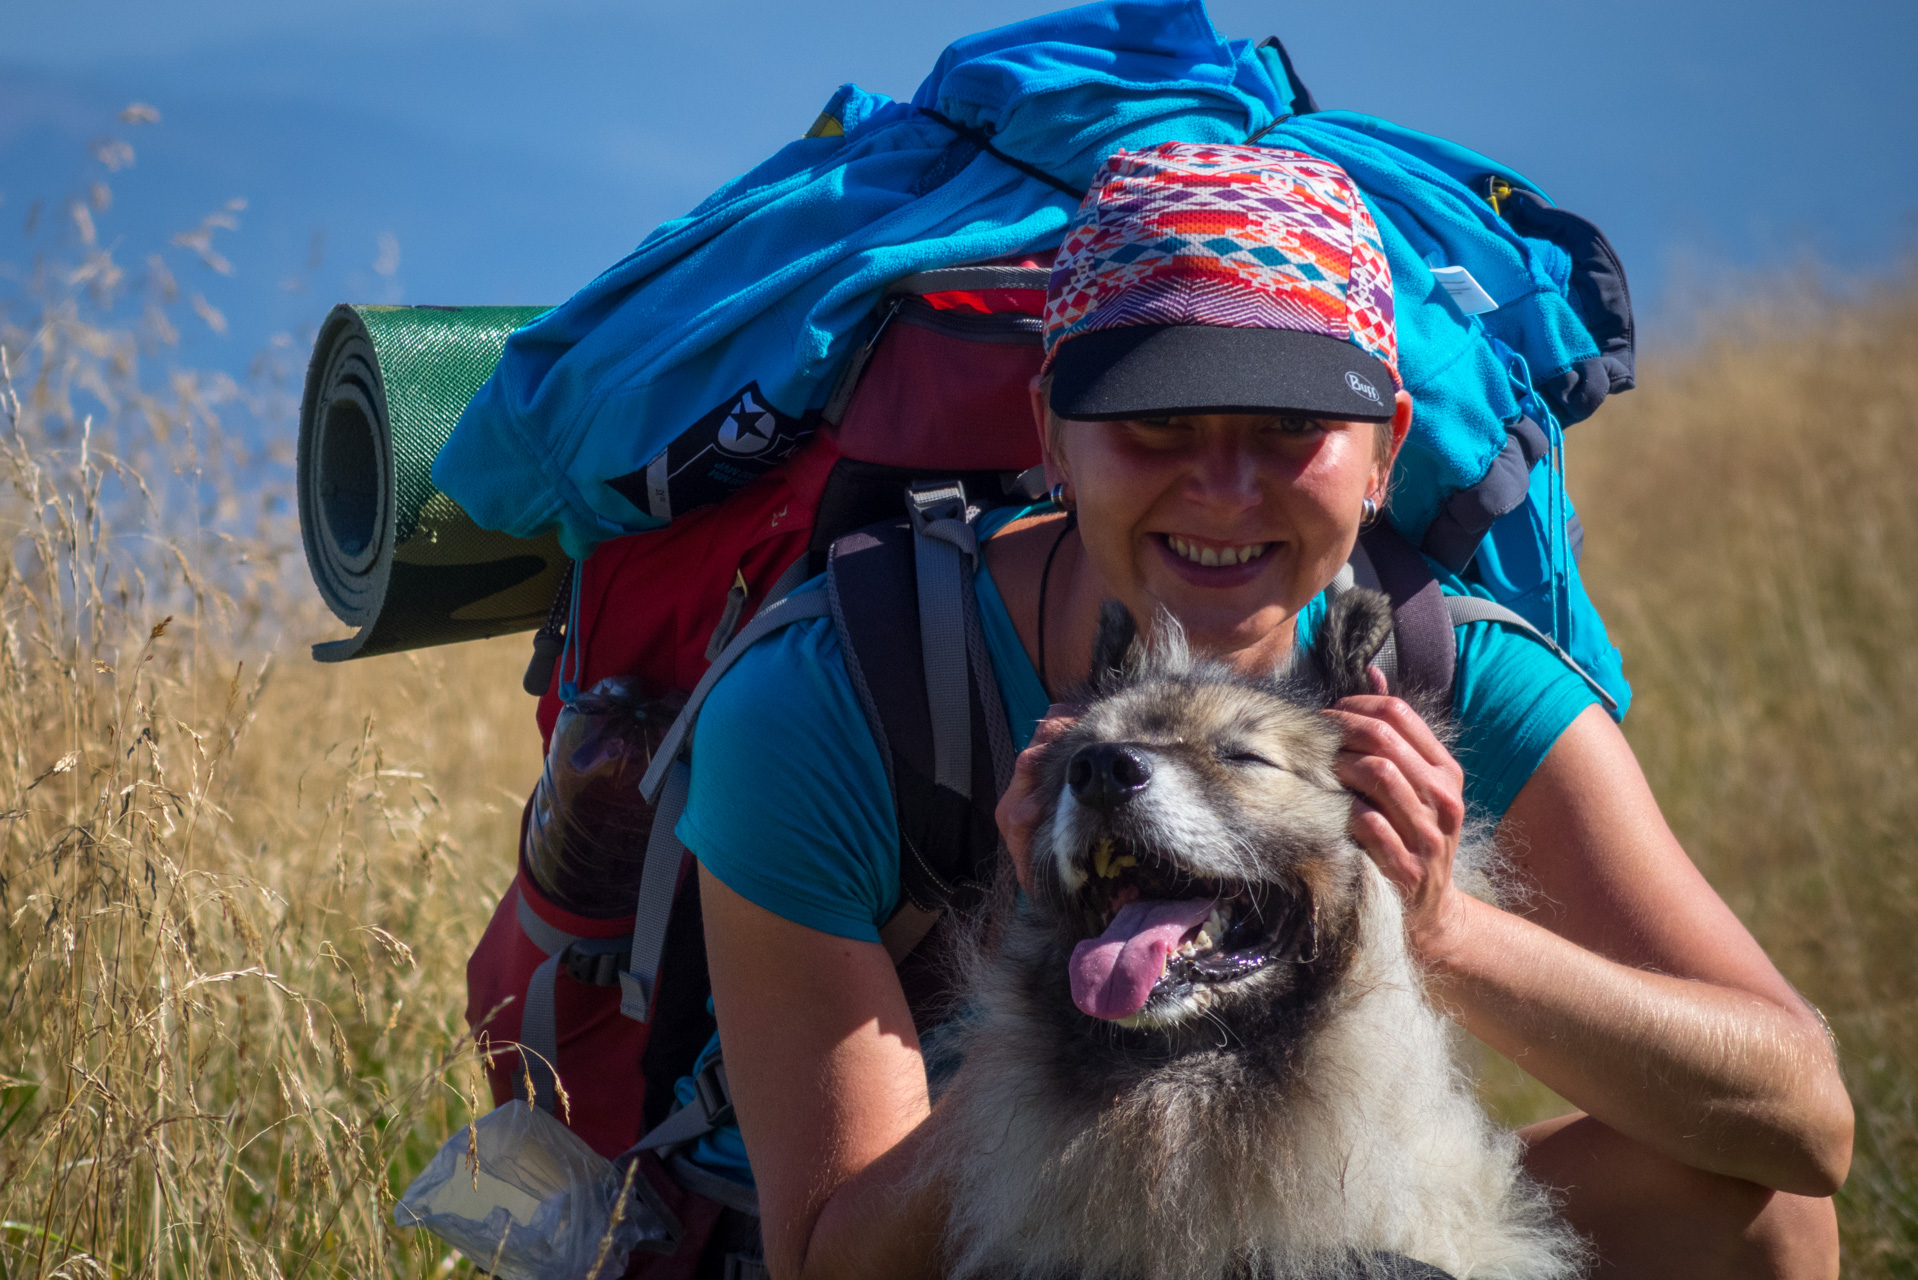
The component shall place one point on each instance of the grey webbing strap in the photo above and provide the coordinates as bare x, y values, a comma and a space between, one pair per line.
1470, 609
538, 1028
943, 552
658, 885
714, 1186
711, 1107
549, 938
795, 573
780, 613
665, 785
539, 1036
787, 582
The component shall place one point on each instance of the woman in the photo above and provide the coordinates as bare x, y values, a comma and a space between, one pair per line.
1220, 417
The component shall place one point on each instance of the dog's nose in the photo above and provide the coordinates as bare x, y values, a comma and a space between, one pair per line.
1105, 776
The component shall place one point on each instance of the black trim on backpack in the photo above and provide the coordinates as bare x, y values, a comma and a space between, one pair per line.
1598, 294
1303, 103
1461, 524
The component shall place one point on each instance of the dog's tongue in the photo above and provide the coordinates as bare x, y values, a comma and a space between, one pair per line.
1113, 974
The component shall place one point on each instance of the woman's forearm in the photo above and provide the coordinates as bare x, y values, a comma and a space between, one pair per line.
1719, 1078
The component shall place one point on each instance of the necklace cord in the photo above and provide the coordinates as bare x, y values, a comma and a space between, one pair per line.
1045, 581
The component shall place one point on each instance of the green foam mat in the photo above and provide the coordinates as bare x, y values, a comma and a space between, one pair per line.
390, 553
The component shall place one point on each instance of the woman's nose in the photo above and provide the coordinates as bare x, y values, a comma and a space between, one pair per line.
1224, 472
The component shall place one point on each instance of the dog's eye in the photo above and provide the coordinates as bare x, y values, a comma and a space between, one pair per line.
1246, 757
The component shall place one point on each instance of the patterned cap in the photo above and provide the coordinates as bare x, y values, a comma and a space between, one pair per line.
1202, 277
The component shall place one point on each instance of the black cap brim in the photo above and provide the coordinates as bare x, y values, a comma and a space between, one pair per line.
1144, 371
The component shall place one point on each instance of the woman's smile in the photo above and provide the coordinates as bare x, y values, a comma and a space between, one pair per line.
1206, 562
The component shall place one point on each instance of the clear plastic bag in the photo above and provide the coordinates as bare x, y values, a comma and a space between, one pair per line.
586, 834
544, 1201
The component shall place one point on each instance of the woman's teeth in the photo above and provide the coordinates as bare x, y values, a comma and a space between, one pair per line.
1213, 557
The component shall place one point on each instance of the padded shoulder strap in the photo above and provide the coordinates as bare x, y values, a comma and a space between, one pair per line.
1421, 652
908, 624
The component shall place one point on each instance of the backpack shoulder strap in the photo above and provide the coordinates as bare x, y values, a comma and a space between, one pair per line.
902, 601
1465, 610
1420, 653
665, 785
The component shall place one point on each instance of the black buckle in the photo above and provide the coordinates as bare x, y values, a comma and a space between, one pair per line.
593, 968
713, 1095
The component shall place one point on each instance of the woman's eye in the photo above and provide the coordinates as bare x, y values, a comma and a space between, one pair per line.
1293, 426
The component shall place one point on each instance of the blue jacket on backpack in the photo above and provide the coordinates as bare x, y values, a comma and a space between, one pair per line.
616, 409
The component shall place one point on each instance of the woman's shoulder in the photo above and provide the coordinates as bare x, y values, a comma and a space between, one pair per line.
789, 804
1511, 699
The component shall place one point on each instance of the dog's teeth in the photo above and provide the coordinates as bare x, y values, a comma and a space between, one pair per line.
1102, 859
1123, 860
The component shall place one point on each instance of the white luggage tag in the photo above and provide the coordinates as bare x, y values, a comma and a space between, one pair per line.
1466, 293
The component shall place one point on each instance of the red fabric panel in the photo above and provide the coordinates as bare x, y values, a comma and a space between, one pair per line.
989, 302
598, 1045
649, 602
932, 400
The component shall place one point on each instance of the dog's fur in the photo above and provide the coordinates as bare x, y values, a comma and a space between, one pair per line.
1302, 1120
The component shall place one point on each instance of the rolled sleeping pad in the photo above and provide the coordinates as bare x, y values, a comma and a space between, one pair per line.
390, 553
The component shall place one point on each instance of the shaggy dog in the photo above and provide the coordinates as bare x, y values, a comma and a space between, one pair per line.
1201, 1050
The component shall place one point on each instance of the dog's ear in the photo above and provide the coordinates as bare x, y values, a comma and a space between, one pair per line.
1117, 633
1355, 629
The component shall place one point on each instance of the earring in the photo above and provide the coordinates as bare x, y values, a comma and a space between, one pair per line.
1060, 497
1368, 513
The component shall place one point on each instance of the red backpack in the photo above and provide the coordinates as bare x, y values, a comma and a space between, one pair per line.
939, 392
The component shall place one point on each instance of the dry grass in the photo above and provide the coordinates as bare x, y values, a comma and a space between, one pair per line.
240, 893
239, 887
1752, 531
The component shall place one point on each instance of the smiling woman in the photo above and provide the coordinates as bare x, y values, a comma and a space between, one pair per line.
1166, 452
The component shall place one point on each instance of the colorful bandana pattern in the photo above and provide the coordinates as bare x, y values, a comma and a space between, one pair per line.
1247, 237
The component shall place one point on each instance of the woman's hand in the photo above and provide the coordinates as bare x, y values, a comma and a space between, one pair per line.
1408, 810
1021, 807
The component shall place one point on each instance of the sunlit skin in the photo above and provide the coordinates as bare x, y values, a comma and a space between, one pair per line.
1289, 483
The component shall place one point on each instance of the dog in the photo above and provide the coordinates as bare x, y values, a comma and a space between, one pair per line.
1200, 1050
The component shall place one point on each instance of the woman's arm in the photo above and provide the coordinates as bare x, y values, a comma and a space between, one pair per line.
1626, 985
826, 1076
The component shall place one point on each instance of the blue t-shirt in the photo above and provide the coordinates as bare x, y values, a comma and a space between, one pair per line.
790, 808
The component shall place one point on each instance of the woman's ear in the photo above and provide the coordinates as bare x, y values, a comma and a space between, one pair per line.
1055, 471
1401, 426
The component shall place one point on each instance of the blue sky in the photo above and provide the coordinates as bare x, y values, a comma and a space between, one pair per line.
509, 151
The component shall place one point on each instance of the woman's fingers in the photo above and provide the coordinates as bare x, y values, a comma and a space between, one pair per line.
1396, 715
1438, 785
1408, 807
1022, 805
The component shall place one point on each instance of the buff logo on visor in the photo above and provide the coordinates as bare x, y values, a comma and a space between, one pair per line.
1240, 237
